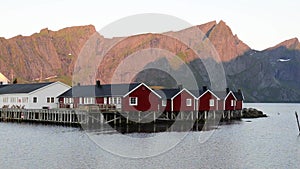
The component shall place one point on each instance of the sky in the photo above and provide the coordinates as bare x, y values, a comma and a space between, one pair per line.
258, 23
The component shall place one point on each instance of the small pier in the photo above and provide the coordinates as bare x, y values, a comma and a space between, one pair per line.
96, 116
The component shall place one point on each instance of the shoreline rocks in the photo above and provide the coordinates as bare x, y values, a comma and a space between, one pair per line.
252, 113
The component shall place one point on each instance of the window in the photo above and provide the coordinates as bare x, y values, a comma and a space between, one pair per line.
164, 103
133, 101
233, 103
34, 99
13, 100
115, 100
119, 100
5, 100
88, 100
211, 102
188, 102
24, 99
50, 99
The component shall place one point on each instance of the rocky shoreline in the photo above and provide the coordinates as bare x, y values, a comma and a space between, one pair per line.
252, 113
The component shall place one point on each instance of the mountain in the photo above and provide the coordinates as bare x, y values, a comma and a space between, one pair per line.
292, 44
270, 75
44, 54
227, 45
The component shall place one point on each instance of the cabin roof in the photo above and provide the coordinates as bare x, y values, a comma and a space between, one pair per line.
197, 93
221, 94
168, 93
22, 88
103, 90
239, 95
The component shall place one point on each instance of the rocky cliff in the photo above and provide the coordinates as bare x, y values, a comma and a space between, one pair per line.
43, 55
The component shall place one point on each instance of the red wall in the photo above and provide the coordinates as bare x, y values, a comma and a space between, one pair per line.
147, 101
179, 102
76, 102
228, 102
167, 108
239, 105
99, 100
203, 102
220, 104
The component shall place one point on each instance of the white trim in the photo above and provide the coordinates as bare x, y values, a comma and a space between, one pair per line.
145, 86
136, 101
211, 102
181, 92
210, 92
195, 102
232, 94
226, 99
164, 101
186, 102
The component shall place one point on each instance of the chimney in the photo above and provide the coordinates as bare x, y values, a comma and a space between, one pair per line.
98, 84
239, 91
227, 90
180, 87
204, 88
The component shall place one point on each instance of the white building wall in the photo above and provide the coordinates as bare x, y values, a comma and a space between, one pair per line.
18, 100
52, 90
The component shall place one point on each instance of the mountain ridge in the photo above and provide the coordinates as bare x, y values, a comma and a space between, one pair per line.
54, 54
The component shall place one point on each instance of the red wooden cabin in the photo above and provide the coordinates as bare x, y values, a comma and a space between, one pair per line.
207, 100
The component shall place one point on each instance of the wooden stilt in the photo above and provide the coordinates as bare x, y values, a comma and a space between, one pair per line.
297, 122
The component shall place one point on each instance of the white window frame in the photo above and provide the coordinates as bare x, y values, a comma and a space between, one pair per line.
88, 100
212, 102
188, 102
36, 100
233, 103
136, 101
164, 103
24, 99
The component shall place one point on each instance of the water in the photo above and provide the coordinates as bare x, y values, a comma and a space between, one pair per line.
271, 142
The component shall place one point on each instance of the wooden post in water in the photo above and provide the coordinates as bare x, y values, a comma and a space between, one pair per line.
297, 121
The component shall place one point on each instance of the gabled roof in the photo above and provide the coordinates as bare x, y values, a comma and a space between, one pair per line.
221, 94
181, 92
140, 84
239, 96
100, 91
197, 93
22, 88
168, 93
200, 93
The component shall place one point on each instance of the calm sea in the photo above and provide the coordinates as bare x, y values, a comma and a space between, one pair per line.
271, 142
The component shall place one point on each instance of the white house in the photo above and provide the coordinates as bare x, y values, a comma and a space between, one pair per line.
32, 96
3, 79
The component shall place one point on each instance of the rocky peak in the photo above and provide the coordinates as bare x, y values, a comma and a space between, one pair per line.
293, 44
205, 28
228, 46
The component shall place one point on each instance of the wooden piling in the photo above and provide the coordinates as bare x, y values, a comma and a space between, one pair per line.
297, 121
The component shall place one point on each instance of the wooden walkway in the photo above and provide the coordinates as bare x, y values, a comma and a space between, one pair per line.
104, 115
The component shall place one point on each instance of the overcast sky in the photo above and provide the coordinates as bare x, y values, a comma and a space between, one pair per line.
259, 23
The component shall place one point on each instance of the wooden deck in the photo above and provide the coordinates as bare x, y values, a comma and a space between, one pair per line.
103, 115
